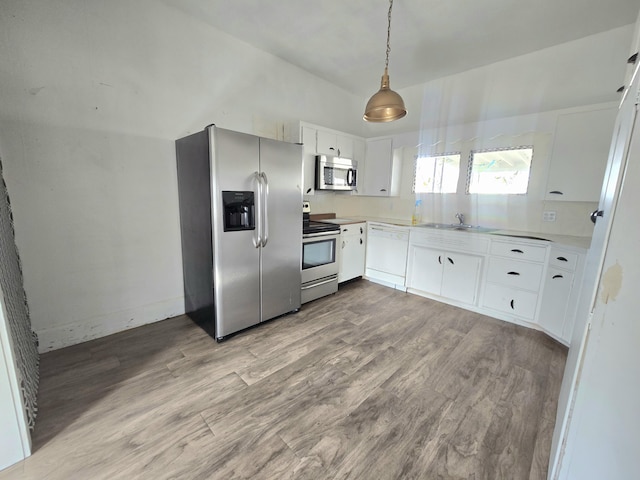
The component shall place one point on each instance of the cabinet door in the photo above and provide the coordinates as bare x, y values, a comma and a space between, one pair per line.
579, 155
426, 269
352, 256
555, 298
358, 156
327, 143
460, 276
377, 168
309, 167
345, 146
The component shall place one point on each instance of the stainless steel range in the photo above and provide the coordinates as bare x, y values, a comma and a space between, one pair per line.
319, 258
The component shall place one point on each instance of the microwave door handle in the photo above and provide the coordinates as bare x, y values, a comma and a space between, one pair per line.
257, 238
349, 176
265, 208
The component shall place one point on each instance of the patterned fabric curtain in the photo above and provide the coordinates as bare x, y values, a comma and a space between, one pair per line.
23, 339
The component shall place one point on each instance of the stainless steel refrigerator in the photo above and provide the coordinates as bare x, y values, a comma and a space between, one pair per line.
241, 226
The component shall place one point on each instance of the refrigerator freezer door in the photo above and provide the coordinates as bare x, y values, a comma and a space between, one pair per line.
236, 261
281, 256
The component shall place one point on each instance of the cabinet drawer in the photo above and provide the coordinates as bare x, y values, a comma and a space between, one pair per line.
532, 253
514, 274
563, 259
510, 300
353, 229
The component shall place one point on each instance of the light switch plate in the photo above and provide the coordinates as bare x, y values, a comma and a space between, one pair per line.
548, 216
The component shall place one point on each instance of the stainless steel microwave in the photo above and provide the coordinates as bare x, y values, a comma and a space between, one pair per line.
335, 173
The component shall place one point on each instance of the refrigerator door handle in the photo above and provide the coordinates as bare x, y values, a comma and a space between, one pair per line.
257, 238
265, 208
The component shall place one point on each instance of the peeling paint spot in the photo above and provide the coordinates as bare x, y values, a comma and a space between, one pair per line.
611, 283
35, 90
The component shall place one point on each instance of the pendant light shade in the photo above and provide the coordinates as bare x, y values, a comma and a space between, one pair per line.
385, 105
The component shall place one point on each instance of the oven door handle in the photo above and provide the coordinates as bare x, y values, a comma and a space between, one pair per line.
257, 238
307, 287
320, 234
265, 208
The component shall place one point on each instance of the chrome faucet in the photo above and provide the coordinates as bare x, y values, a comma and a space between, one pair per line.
460, 217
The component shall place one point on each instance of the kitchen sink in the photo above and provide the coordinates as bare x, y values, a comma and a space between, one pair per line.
461, 227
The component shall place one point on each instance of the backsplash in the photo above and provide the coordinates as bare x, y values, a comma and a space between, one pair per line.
510, 212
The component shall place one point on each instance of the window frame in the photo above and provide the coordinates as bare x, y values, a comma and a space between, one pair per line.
498, 149
415, 171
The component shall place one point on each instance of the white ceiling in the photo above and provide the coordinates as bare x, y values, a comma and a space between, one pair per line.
343, 41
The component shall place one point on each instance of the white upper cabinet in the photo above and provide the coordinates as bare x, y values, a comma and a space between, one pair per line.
381, 172
331, 143
308, 139
579, 155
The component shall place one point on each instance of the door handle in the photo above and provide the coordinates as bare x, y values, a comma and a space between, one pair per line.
257, 239
440, 259
511, 303
595, 214
265, 207
513, 273
450, 261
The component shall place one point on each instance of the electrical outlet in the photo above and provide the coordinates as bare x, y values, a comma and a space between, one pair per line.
548, 216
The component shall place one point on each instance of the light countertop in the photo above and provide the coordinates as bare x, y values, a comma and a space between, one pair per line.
565, 240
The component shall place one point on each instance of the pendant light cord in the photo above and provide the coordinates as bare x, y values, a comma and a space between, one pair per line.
386, 63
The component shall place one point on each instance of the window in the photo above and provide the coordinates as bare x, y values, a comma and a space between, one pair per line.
500, 171
437, 174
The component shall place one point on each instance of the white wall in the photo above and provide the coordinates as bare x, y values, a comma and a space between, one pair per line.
93, 96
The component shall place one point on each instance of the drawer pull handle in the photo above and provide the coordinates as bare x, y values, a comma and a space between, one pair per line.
516, 250
562, 259
556, 192
450, 261
511, 303
557, 276
361, 231
513, 273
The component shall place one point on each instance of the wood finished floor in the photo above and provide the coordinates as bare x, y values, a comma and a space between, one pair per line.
370, 383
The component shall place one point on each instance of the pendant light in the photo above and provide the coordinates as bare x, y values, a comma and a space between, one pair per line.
385, 105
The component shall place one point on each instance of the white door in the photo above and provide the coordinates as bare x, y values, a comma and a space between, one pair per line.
608, 200
602, 434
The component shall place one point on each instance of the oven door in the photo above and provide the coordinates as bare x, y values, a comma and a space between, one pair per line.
319, 256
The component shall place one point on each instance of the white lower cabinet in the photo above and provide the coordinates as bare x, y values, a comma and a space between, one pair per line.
528, 282
510, 300
453, 275
557, 290
352, 251
560, 293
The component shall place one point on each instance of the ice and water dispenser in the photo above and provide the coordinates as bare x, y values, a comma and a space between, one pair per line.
239, 211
